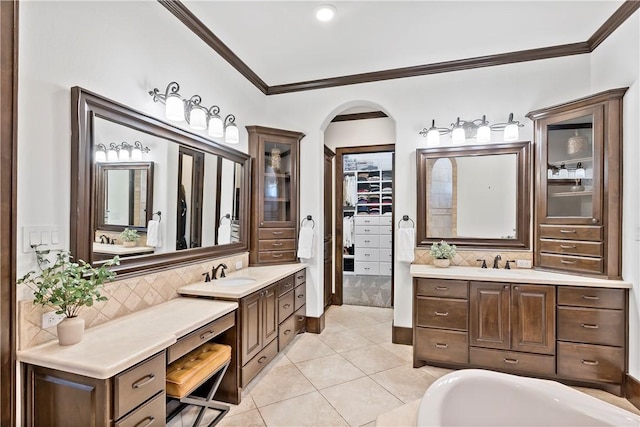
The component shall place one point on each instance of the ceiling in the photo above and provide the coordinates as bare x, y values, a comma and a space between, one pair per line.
282, 42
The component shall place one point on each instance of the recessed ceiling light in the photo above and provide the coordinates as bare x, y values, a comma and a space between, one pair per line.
325, 12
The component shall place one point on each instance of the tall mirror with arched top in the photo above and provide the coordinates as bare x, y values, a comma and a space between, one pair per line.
185, 196
474, 196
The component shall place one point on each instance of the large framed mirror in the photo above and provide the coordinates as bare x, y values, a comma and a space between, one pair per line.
474, 196
186, 196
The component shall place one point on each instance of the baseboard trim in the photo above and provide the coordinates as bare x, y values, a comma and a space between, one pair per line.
315, 325
632, 391
402, 335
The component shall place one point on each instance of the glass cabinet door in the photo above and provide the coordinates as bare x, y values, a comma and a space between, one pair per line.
276, 184
573, 152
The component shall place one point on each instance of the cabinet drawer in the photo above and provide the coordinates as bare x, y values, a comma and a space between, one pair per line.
591, 297
367, 229
571, 232
591, 362
285, 306
276, 233
285, 285
441, 313
591, 325
276, 244
367, 268
445, 346
301, 318
367, 254
386, 220
571, 247
442, 288
367, 241
151, 413
572, 263
385, 255
384, 229
286, 332
276, 256
300, 294
385, 269
367, 220
512, 361
300, 277
386, 241
139, 383
261, 360
198, 337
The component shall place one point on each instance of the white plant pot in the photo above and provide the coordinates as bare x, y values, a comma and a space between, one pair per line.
70, 330
441, 262
128, 244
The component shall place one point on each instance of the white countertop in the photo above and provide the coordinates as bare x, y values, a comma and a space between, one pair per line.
103, 248
262, 276
515, 275
119, 344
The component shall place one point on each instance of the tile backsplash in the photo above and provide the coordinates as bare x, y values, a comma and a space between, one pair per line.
468, 258
123, 297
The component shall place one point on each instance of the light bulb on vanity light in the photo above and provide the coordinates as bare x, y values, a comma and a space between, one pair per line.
457, 134
511, 132
216, 125
231, 132
123, 153
197, 119
325, 12
101, 153
112, 154
174, 108
483, 134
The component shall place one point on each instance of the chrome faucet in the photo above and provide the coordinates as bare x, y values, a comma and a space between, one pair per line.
214, 271
495, 261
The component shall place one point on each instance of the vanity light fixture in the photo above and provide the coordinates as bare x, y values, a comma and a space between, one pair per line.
120, 152
124, 152
137, 150
480, 129
195, 114
112, 154
101, 153
325, 12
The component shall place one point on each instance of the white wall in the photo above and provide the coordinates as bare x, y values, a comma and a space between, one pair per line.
352, 133
616, 63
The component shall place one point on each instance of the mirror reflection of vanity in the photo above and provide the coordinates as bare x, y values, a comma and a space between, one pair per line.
474, 196
185, 195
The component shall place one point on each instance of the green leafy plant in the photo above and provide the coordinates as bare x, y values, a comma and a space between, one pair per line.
442, 250
129, 235
66, 285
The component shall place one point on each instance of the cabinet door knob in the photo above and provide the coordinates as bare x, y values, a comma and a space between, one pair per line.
506, 286
594, 220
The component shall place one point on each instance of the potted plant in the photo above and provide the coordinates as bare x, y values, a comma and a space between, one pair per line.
442, 252
129, 237
67, 286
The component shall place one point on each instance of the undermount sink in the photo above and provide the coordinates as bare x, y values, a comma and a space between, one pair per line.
235, 281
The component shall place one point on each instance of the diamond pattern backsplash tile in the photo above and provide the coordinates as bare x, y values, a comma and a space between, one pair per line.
468, 258
124, 297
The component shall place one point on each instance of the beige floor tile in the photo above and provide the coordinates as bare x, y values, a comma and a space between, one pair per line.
307, 347
372, 359
404, 352
405, 415
360, 401
329, 370
371, 424
354, 319
404, 382
281, 359
246, 419
307, 410
610, 398
245, 405
435, 371
344, 340
379, 314
280, 384
380, 333
332, 326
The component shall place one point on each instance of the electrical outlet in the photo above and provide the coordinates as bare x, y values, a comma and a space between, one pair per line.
523, 263
51, 319
238, 265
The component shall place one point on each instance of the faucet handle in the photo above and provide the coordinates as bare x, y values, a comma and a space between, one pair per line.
506, 264
484, 263
207, 276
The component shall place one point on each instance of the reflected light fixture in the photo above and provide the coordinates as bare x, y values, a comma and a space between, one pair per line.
112, 154
101, 153
120, 152
325, 12
124, 152
480, 129
231, 133
137, 150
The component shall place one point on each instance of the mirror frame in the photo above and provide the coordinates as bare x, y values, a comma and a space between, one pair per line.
523, 194
101, 188
86, 106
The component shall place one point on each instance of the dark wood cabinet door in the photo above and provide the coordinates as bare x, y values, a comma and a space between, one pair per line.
533, 318
489, 315
328, 276
269, 314
251, 326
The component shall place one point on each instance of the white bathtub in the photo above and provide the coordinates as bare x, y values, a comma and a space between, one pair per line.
475, 397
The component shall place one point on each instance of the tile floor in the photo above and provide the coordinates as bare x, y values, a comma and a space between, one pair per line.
346, 376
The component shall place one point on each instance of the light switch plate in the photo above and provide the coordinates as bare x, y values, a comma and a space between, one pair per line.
51, 319
238, 265
48, 236
523, 263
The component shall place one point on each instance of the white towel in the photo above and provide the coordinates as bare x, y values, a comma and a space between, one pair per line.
306, 242
224, 233
406, 244
153, 234
347, 231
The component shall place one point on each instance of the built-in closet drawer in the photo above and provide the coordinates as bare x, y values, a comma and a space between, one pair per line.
385, 255
591, 362
441, 313
591, 297
139, 383
571, 247
367, 268
572, 263
385, 269
367, 229
386, 241
512, 361
386, 220
367, 220
571, 232
367, 241
385, 229
367, 254
442, 345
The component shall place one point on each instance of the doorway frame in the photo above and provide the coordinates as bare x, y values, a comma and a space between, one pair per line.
337, 297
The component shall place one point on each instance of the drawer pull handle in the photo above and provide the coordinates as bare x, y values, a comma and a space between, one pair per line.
277, 255
277, 233
143, 381
442, 288
277, 244
568, 246
590, 297
301, 296
367, 241
300, 277
367, 254
287, 332
288, 285
286, 306
512, 361
588, 326
262, 359
439, 345
589, 362
568, 231
146, 422
207, 334
564, 261
438, 313
301, 318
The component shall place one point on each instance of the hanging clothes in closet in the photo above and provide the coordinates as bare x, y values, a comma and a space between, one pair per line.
350, 190
348, 228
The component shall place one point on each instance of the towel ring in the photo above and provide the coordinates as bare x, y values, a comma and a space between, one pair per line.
159, 214
308, 218
227, 216
406, 218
